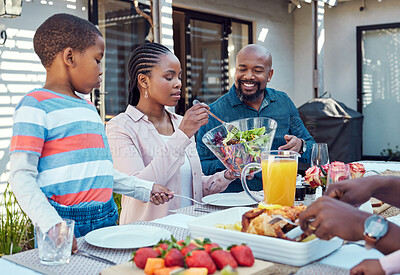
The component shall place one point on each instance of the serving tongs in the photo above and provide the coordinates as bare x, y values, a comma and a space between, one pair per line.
229, 126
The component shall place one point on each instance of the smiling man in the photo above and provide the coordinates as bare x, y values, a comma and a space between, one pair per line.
250, 97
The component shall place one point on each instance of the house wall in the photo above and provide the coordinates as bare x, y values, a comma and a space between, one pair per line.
20, 68
270, 14
340, 68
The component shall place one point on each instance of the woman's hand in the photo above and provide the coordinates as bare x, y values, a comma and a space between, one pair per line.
160, 194
194, 118
229, 174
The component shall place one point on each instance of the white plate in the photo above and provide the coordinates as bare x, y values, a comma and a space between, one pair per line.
263, 247
229, 199
126, 236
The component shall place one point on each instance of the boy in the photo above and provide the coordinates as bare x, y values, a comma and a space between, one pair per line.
61, 165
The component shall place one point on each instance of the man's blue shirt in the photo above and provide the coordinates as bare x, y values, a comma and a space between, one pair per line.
276, 105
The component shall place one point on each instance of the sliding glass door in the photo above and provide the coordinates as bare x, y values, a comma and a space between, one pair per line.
379, 89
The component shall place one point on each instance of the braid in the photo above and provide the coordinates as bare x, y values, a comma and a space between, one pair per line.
141, 61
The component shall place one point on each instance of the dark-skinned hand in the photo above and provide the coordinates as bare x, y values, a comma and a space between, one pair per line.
368, 267
293, 143
160, 194
328, 217
194, 118
355, 192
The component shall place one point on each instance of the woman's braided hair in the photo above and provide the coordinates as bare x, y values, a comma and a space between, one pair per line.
141, 61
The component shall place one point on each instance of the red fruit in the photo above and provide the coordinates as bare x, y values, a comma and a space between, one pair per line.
209, 246
188, 248
223, 258
161, 246
243, 255
174, 258
200, 258
143, 254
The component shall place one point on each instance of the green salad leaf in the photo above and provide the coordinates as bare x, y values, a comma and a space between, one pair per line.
244, 136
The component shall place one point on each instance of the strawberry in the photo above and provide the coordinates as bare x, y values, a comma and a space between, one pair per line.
160, 247
188, 248
200, 258
210, 246
174, 258
223, 258
142, 254
242, 254
206, 244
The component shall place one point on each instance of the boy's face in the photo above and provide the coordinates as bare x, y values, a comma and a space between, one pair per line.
88, 70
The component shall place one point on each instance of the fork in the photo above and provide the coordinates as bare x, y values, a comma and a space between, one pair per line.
189, 198
277, 218
94, 257
229, 126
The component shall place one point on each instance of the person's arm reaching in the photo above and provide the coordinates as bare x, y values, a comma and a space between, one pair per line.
23, 173
328, 217
358, 191
140, 189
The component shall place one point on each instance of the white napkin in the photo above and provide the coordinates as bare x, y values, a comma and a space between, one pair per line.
178, 220
350, 255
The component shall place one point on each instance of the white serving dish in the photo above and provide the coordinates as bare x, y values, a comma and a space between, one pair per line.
263, 247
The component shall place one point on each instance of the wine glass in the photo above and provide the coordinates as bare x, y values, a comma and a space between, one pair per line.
319, 154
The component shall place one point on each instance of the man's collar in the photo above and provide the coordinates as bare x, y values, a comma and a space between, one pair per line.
234, 99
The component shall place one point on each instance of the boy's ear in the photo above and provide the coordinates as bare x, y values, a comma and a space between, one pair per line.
142, 80
68, 57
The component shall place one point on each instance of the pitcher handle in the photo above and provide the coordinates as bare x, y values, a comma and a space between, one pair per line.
244, 182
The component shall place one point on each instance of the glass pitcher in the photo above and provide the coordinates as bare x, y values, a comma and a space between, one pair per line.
279, 173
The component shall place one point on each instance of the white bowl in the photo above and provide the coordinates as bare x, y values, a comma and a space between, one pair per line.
263, 247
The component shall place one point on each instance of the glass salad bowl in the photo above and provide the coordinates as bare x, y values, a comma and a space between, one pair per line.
235, 151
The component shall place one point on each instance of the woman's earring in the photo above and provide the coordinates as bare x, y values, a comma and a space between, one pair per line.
146, 95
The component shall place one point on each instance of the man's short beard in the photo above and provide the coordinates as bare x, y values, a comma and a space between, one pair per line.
251, 98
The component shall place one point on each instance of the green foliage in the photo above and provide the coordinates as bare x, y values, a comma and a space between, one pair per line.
391, 154
117, 199
16, 229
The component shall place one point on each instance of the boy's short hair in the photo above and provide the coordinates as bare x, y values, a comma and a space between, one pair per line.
61, 31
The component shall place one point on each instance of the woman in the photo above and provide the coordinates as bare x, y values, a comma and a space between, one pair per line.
154, 144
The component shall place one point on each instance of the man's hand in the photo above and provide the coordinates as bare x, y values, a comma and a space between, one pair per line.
368, 267
293, 143
328, 217
160, 194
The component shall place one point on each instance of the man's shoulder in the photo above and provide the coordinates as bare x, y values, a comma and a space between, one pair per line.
223, 101
277, 93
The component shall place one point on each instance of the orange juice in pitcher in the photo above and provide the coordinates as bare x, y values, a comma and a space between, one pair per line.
279, 172
279, 180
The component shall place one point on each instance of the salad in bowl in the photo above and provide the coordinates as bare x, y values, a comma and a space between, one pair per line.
237, 149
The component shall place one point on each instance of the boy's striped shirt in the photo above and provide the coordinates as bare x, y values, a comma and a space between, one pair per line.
75, 164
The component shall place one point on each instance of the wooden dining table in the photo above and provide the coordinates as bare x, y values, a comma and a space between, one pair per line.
29, 260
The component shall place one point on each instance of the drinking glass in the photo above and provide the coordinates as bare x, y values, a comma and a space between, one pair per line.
319, 154
55, 245
279, 173
338, 173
